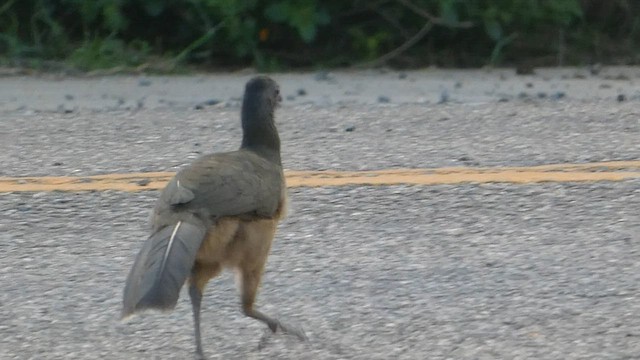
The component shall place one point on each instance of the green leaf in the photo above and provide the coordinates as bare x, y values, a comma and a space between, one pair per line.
493, 29
114, 20
322, 17
278, 12
448, 12
153, 7
307, 32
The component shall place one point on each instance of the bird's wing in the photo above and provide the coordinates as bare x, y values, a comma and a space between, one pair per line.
238, 183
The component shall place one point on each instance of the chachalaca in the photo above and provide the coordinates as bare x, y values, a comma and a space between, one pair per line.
219, 212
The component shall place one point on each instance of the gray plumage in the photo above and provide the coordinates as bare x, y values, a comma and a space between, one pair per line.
161, 268
238, 183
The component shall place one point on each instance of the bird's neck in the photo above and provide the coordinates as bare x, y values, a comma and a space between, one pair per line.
259, 131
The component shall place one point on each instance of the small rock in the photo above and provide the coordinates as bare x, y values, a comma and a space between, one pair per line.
457, 85
444, 97
525, 69
503, 99
558, 95
69, 97
350, 129
605, 86
541, 95
65, 110
322, 76
383, 99
57, 163
144, 82
302, 92
402, 76
143, 182
529, 85
210, 102
621, 98
523, 95
290, 97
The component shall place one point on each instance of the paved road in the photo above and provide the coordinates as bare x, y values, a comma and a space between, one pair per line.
473, 271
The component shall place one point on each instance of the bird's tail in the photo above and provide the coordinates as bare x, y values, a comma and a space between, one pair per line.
162, 267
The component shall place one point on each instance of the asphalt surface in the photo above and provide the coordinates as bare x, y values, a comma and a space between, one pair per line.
474, 271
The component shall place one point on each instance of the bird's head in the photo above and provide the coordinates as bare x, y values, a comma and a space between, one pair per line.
264, 91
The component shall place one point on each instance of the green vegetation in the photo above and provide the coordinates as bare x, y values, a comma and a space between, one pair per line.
165, 35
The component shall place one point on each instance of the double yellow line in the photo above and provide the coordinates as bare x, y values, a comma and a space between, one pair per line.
590, 172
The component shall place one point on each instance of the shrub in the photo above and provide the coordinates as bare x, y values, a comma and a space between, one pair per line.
289, 33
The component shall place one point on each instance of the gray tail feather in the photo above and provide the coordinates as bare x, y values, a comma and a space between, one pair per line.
162, 267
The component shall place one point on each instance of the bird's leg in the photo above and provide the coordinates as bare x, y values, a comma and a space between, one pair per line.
196, 299
200, 275
250, 283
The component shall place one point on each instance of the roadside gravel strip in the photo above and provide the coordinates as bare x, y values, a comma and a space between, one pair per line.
462, 271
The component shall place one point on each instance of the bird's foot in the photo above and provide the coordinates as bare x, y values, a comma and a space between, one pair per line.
265, 339
277, 325
295, 331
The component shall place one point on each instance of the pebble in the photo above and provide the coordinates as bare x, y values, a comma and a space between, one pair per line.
444, 97
322, 76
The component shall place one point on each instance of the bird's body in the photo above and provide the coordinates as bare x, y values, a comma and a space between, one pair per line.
219, 212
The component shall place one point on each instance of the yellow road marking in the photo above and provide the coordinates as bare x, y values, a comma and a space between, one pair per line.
590, 172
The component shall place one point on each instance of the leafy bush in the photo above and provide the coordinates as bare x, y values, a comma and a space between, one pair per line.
285, 33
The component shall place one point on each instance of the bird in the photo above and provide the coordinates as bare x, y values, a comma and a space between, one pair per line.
219, 212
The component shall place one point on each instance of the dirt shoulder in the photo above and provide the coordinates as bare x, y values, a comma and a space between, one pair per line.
64, 94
